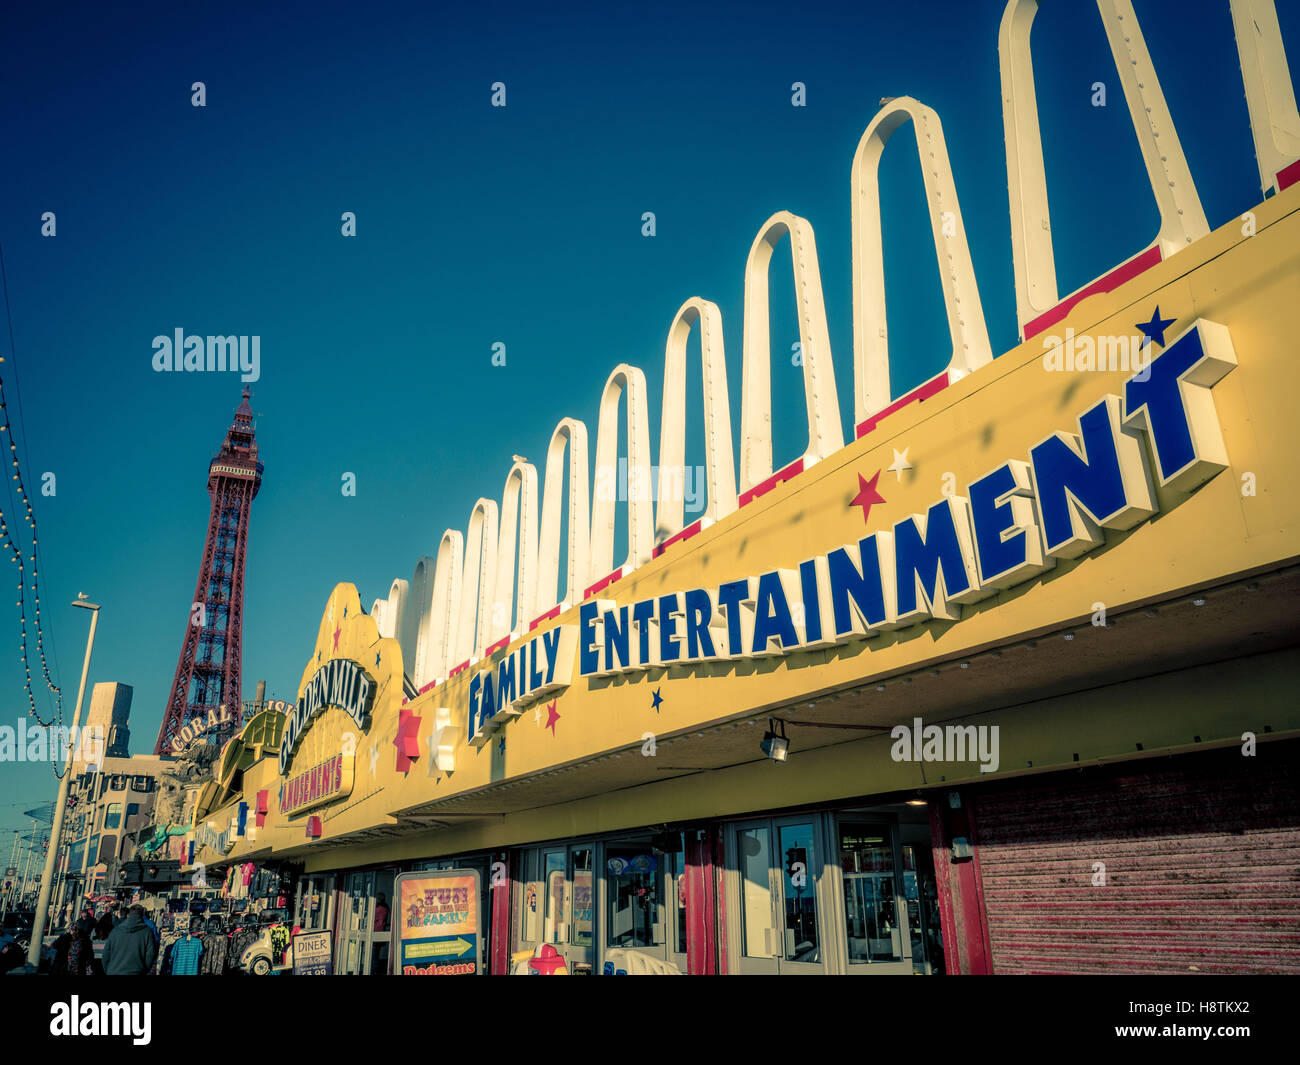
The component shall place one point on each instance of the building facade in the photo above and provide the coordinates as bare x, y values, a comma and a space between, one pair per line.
1005, 683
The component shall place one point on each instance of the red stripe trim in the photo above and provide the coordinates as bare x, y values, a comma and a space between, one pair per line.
554, 612
458, 669
795, 468
603, 583
1107, 283
503, 642
918, 395
685, 534
1288, 176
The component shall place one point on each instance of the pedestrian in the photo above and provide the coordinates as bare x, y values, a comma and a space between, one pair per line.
77, 957
148, 920
130, 949
11, 954
105, 925
185, 955
381, 914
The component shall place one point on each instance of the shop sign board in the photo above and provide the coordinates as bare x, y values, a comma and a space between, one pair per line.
313, 954
1055, 501
338, 683
330, 780
438, 923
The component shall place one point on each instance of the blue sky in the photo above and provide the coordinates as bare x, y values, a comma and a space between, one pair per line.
475, 225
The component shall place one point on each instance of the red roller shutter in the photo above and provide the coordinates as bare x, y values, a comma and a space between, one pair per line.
1202, 866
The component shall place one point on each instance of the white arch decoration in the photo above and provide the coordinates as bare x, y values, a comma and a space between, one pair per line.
670, 507
424, 668
477, 586
448, 577
970, 338
518, 528
1182, 219
609, 485
570, 434
451, 612
825, 432
1270, 96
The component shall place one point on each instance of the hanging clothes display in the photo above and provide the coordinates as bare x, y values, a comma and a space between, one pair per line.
186, 954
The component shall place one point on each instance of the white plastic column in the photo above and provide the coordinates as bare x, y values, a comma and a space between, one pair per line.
570, 434
477, 587
1182, 219
825, 432
448, 578
518, 525
670, 509
1270, 96
970, 338
423, 669
640, 521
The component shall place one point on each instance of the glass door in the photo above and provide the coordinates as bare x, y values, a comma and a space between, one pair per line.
879, 940
774, 872
634, 884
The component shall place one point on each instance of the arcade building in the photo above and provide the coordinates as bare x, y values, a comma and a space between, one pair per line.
1006, 683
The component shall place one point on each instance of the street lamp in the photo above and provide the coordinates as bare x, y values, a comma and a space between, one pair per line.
56, 830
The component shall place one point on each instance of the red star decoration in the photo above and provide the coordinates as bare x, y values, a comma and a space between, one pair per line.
407, 740
867, 495
552, 716
340, 629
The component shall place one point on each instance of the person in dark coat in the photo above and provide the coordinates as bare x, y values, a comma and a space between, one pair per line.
74, 952
105, 925
130, 949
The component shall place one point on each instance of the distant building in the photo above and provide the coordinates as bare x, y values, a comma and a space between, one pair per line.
108, 800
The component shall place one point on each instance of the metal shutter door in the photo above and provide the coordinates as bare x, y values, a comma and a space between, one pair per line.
1202, 865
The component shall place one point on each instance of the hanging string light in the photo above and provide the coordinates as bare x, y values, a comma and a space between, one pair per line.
8, 539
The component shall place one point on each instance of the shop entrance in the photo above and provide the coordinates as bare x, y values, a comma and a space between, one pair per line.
775, 885
643, 891
365, 923
891, 907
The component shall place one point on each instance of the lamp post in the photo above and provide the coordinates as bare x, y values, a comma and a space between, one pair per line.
56, 830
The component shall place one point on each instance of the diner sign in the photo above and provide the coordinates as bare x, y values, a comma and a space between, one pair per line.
1012, 524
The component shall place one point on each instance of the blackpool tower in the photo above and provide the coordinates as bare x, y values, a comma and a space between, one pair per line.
205, 693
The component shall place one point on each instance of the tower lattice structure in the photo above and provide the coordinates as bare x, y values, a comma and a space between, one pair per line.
208, 673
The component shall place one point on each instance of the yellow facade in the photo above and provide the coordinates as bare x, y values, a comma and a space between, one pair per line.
1170, 671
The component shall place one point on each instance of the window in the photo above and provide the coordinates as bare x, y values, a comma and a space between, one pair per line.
555, 927
580, 929
92, 850
113, 816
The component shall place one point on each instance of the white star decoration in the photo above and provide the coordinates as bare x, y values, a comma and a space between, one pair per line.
374, 757
900, 462
537, 714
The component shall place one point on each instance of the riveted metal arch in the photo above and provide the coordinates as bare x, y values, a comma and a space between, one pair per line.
448, 577
1182, 219
518, 526
399, 621
570, 434
825, 431
670, 507
477, 587
640, 521
1270, 96
970, 338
